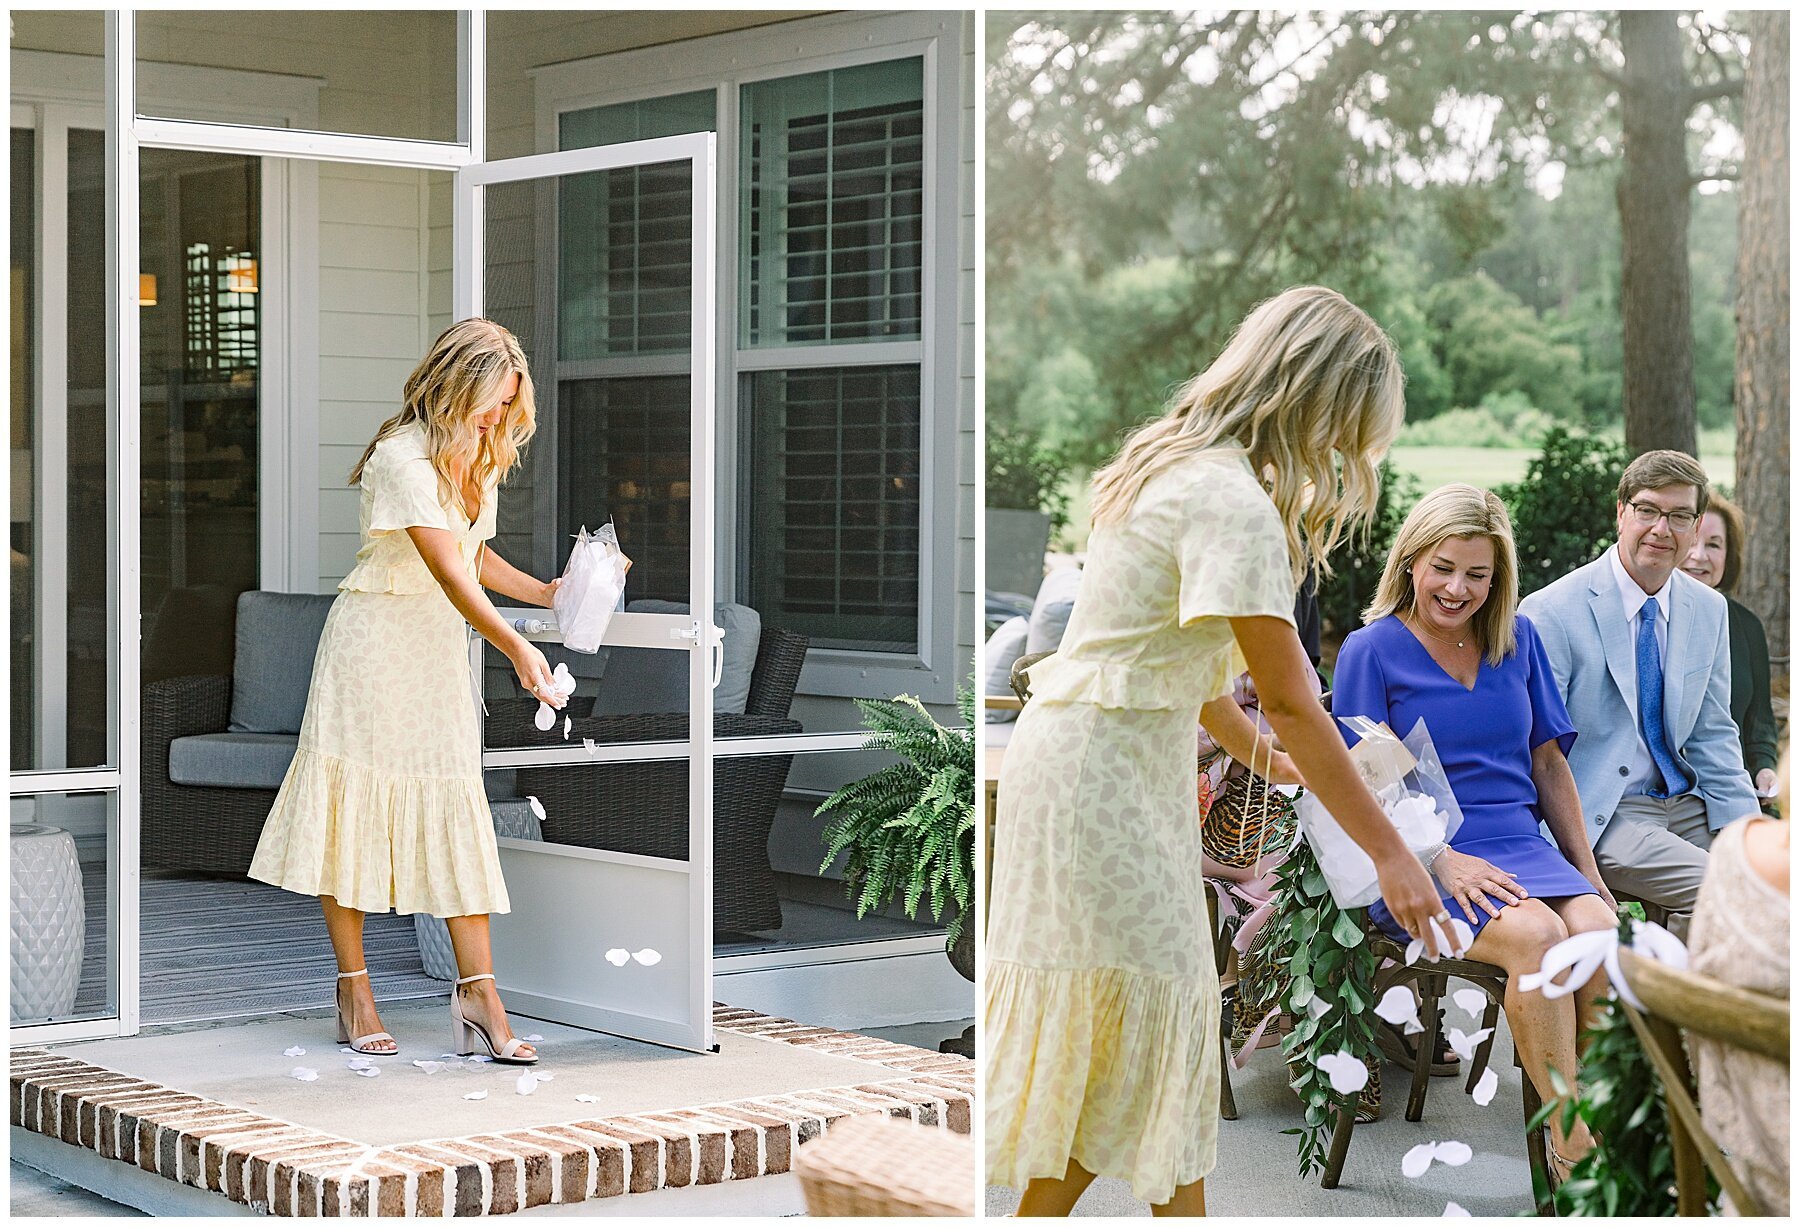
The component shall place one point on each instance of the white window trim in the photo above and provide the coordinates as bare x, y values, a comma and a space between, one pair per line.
724, 63
53, 84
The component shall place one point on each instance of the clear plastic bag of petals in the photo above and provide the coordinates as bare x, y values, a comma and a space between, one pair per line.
1408, 780
592, 588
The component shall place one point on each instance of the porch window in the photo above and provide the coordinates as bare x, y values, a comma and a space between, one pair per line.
830, 218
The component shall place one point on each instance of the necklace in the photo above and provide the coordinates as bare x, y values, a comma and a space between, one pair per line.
1418, 624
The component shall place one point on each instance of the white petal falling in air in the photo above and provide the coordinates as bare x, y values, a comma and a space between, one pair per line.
618, 956
303, 1074
476, 1095
367, 1072
527, 1083
546, 716
1318, 1007
587, 743
1348, 1075
1452, 1210
1472, 1001
1453, 1154
1416, 1160
537, 807
1397, 1006
295, 1051
587, 1099
1414, 949
568, 724
647, 956
1485, 1086
1464, 935
1464, 1045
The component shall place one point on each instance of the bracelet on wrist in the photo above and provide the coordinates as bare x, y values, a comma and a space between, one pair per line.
1429, 858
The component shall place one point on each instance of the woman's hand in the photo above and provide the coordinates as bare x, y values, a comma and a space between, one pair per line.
1411, 898
1592, 874
1280, 769
534, 675
549, 594
1473, 883
1766, 781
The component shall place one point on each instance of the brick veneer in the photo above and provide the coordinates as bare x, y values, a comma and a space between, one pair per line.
287, 1169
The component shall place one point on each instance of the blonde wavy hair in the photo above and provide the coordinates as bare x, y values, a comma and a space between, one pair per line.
460, 376
1461, 511
1311, 388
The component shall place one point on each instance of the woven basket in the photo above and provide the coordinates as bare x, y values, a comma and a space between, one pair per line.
878, 1166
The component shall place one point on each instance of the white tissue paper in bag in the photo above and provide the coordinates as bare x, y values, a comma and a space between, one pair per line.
592, 588
1409, 781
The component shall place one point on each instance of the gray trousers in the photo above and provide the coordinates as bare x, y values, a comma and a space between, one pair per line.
1656, 850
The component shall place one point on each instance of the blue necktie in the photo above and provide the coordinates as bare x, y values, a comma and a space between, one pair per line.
1650, 706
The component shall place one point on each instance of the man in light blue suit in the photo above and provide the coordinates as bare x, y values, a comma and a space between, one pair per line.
1641, 654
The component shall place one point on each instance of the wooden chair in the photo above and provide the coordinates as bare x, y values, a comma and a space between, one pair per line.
1433, 980
1677, 1001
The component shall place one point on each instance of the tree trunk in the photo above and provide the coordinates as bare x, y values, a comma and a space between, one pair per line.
1761, 390
1655, 300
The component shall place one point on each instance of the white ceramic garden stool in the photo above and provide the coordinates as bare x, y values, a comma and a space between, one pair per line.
49, 923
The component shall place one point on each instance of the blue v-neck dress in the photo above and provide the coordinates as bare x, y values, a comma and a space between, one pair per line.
1484, 737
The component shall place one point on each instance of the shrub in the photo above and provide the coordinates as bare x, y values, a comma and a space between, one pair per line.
1026, 475
1356, 569
1564, 510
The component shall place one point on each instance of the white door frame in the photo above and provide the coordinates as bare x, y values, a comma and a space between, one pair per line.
557, 974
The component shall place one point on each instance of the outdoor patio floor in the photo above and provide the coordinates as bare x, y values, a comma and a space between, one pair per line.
215, 1106
1257, 1173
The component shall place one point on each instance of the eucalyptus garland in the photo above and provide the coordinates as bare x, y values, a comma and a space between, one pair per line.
1330, 993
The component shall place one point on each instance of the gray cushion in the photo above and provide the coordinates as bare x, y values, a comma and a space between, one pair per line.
1004, 647
500, 783
1050, 612
277, 639
516, 819
232, 760
640, 680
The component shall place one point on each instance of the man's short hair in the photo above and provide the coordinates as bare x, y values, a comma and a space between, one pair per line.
1655, 470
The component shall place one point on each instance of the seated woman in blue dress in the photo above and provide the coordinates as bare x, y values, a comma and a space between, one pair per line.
1442, 642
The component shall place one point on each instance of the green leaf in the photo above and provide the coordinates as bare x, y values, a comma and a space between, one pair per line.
1346, 932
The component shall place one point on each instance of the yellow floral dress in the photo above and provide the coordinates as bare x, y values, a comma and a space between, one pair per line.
383, 806
1101, 1002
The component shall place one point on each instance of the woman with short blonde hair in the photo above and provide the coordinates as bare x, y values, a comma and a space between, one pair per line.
1443, 643
382, 807
1101, 1009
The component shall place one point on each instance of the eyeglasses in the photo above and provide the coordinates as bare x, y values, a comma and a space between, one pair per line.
1649, 513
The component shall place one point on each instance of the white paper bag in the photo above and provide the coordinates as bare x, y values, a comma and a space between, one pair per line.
1409, 781
592, 588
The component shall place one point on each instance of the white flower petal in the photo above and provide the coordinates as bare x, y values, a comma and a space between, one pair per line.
537, 807
479, 1060
1414, 949
430, 1067
1471, 1001
369, 1072
618, 956
1318, 1007
1397, 1006
587, 1099
1416, 1160
527, 1083
647, 956
587, 743
295, 1051
546, 716
562, 677
1464, 935
358, 1063
1485, 1086
476, 1095
1453, 1154
1348, 1075
536, 1039
567, 725
1464, 1044
1452, 1210
303, 1074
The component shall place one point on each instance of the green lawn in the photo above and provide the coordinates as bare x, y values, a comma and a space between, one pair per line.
1488, 467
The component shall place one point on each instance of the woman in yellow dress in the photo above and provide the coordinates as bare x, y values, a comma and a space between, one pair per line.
1101, 1003
383, 806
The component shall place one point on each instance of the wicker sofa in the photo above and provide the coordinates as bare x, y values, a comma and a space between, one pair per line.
252, 719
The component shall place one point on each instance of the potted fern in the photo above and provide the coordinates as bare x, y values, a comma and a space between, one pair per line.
909, 828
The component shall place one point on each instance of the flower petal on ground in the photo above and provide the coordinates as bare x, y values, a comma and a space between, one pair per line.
1485, 1087
527, 1083
476, 1095
1471, 1001
536, 1039
367, 1072
587, 1099
1453, 1154
430, 1067
303, 1074
1452, 1210
295, 1051
1348, 1075
1397, 1006
358, 1063
1416, 1160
